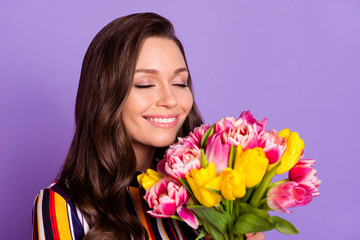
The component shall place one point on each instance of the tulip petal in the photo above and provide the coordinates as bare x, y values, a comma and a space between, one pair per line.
149, 178
158, 215
165, 197
293, 151
214, 184
287, 195
180, 158
254, 164
161, 167
248, 117
217, 152
305, 175
197, 181
188, 216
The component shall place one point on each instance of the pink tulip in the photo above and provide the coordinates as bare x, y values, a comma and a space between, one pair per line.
229, 132
198, 133
248, 117
287, 195
273, 145
224, 124
165, 196
244, 135
180, 158
187, 142
217, 151
305, 175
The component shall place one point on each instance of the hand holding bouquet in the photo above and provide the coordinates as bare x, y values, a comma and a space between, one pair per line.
218, 178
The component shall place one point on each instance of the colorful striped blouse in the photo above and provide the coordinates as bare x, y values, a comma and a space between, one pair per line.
56, 217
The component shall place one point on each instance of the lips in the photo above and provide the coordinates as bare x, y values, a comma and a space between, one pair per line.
162, 121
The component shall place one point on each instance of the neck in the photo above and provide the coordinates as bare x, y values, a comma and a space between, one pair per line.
144, 156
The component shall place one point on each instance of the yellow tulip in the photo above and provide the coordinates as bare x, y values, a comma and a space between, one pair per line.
198, 179
294, 148
149, 178
254, 164
232, 183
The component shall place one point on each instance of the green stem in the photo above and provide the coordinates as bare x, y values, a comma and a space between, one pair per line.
277, 183
231, 237
239, 237
262, 201
236, 212
248, 194
231, 203
221, 207
259, 192
226, 205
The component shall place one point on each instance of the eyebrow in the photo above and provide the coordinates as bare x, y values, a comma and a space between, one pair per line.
156, 72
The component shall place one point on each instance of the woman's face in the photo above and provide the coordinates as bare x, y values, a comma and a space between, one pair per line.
160, 99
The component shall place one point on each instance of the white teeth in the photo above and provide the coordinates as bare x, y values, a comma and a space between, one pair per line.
162, 120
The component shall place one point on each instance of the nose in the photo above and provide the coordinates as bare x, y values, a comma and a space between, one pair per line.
167, 97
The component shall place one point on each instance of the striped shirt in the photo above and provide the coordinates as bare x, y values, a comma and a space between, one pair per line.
56, 217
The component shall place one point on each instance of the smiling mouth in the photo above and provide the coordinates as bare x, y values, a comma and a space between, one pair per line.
163, 122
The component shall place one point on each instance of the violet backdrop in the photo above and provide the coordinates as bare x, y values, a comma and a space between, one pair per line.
296, 62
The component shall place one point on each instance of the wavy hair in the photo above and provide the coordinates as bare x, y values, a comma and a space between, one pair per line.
101, 162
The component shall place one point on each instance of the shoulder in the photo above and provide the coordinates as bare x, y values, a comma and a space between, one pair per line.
53, 199
55, 213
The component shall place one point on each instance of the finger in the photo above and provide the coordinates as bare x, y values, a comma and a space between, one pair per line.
261, 236
256, 236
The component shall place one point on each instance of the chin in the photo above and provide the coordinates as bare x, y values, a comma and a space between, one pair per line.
163, 142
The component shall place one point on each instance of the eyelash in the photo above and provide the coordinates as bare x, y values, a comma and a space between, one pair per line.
181, 85
149, 86
144, 86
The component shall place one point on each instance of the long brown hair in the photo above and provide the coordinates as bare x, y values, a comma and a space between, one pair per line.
101, 162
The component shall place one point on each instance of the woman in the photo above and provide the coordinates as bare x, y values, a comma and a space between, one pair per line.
134, 99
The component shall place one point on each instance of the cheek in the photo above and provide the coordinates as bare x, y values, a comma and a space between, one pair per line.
188, 102
136, 104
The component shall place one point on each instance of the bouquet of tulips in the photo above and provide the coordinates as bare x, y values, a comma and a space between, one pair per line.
218, 178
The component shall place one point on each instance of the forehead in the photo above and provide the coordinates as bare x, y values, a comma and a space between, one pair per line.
160, 52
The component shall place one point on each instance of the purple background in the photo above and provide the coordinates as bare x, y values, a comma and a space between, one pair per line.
295, 62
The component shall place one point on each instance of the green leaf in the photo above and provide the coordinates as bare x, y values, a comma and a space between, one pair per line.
232, 156
239, 237
215, 234
185, 183
284, 226
206, 135
214, 191
250, 222
216, 223
246, 208
265, 207
201, 234
176, 217
203, 160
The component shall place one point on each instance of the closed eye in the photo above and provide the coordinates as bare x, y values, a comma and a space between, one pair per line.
180, 85
144, 86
